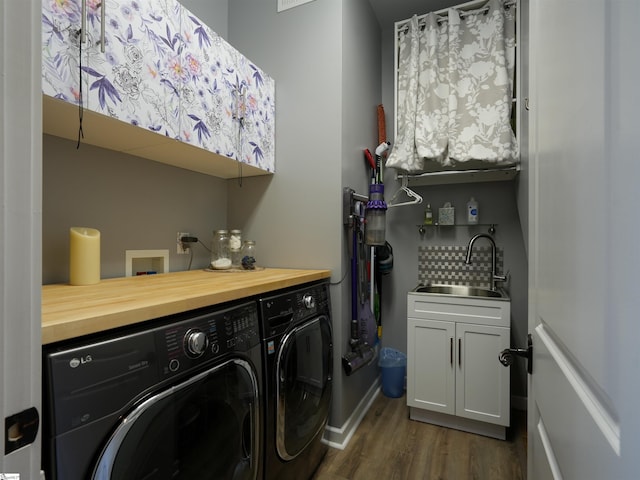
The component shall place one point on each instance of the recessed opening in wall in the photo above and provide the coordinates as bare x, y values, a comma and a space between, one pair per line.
453, 125
146, 262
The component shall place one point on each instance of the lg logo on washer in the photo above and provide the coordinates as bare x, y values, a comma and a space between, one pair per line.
76, 362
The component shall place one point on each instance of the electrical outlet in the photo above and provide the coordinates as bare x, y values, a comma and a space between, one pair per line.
182, 248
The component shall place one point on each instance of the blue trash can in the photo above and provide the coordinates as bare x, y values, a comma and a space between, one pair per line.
394, 368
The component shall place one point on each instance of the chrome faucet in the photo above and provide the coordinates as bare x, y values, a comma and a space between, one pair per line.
495, 278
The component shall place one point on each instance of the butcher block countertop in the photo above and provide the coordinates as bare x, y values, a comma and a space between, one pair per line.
72, 311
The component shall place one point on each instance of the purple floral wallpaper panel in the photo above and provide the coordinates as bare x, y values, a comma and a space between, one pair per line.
258, 115
163, 70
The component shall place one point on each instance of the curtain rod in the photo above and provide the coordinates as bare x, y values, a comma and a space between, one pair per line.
466, 8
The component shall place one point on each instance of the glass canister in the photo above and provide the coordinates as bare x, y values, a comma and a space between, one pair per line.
249, 255
235, 248
220, 257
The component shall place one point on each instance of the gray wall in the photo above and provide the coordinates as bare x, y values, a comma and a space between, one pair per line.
323, 56
361, 89
522, 181
136, 204
215, 13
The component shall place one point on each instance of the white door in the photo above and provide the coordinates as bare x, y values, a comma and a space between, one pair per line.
20, 232
584, 172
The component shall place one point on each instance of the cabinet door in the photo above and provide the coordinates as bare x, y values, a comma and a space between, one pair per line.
210, 104
431, 365
482, 383
139, 78
61, 50
257, 132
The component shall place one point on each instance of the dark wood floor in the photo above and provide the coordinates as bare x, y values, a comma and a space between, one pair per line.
387, 445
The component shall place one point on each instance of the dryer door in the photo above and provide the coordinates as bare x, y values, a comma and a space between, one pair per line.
205, 427
304, 367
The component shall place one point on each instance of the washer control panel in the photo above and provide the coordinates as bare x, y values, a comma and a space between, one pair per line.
188, 343
281, 311
91, 379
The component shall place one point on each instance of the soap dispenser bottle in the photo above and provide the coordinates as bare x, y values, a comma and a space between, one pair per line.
472, 212
428, 215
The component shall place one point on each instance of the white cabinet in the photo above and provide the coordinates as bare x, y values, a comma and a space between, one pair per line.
167, 87
454, 377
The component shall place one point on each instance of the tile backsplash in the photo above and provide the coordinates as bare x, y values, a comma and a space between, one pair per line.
445, 265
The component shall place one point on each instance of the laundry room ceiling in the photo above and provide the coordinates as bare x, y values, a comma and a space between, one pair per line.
390, 11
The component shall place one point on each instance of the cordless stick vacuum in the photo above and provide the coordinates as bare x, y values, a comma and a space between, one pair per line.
361, 353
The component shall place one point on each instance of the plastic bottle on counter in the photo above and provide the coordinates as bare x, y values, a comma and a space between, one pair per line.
472, 212
428, 215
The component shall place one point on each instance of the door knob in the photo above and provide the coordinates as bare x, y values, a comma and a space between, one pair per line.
507, 355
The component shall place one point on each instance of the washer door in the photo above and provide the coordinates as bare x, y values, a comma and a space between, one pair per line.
205, 427
304, 368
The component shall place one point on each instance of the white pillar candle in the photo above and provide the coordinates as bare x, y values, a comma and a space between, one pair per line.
84, 256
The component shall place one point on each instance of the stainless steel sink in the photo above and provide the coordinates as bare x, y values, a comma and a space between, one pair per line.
461, 291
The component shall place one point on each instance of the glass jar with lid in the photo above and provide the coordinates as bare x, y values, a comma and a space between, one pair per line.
235, 248
220, 257
249, 255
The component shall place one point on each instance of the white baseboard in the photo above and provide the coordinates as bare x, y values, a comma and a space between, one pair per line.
338, 437
459, 423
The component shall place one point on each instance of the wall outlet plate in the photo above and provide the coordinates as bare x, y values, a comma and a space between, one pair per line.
182, 248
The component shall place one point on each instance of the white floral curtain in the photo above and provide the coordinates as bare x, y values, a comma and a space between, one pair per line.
455, 85
433, 93
403, 153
